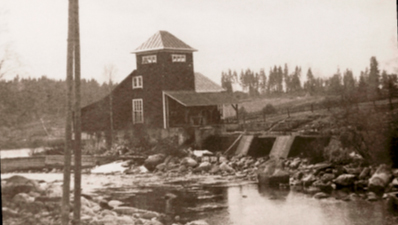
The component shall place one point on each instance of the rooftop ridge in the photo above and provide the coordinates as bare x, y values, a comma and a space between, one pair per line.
163, 40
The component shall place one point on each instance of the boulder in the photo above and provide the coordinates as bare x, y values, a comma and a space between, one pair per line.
321, 195
380, 179
395, 172
355, 171
321, 166
23, 198
361, 184
364, 173
273, 174
214, 169
19, 184
308, 179
371, 196
189, 162
279, 177
161, 167
324, 187
327, 177
345, 179
226, 168
153, 160
203, 166
106, 212
295, 163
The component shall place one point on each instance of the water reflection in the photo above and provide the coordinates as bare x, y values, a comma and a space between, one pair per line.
261, 205
254, 205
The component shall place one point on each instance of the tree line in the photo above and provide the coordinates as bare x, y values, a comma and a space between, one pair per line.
23, 100
371, 84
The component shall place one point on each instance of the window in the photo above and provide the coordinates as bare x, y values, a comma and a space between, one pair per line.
137, 82
178, 58
148, 59
138, 111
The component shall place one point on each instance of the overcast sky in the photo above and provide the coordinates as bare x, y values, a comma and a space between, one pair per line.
321, 34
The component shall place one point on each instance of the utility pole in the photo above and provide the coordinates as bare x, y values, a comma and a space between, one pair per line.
78, 156
68, 125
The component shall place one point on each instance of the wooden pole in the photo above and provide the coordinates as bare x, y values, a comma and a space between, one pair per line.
68, 125
78, 160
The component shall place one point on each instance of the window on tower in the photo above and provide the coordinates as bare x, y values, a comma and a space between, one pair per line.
148, 59
178, 58
137, 82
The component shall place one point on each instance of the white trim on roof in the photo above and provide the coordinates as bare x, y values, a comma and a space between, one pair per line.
164, 48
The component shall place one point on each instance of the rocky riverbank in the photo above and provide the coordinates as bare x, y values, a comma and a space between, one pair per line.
28, 201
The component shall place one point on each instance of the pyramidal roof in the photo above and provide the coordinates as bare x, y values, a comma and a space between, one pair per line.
163, 40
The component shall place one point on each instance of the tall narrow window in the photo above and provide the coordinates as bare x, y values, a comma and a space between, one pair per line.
137, 82
178, 58
148, 59
138, 111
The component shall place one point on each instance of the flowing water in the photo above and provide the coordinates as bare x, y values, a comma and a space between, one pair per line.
252, 205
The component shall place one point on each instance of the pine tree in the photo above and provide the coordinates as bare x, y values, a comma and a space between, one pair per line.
373, 83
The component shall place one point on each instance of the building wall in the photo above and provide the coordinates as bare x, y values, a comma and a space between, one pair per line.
164, 75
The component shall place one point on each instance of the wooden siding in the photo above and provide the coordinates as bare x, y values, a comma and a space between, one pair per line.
160, 76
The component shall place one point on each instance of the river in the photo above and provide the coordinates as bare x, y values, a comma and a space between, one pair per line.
254, 205
247, 204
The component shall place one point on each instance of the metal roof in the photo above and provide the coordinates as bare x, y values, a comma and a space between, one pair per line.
163, 40
204, 84
191, 98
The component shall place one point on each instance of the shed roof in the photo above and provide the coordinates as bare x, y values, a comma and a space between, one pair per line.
163, 40
204, 84
191, 98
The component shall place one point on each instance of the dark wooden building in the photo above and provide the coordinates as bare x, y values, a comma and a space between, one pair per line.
163, 92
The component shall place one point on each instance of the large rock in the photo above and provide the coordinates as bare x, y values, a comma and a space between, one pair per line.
321, 195
327, 177
203, 166
380, 179
226, 168
364, 173
273, 174
153, 160
19, 184
295, 163
22, 198
345, 179
308, 179
189, 162
279, 177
